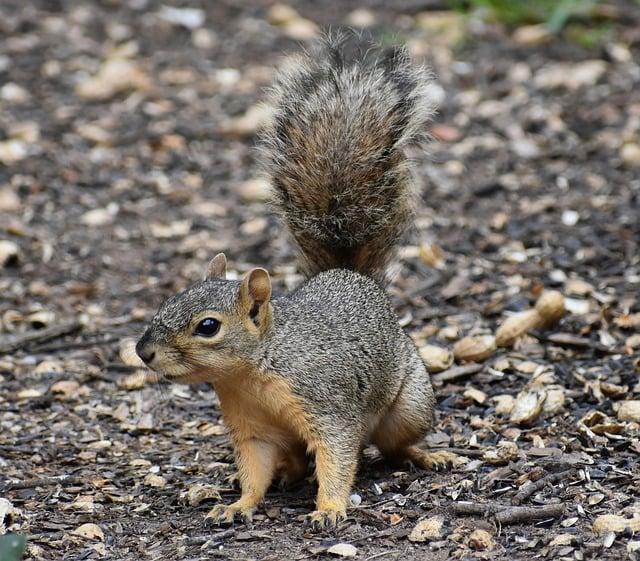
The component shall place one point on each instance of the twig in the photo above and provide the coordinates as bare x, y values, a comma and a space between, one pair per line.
517, 514
63, 480
570, 340
473, 509
46, 536
457, 372
8, 345
201, 540
468, 452
506, 515
379, 534
382, 554
533, 486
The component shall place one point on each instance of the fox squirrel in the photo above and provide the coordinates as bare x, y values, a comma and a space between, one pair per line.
325, 369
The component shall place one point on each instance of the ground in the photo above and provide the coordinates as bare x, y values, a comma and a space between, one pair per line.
115, 192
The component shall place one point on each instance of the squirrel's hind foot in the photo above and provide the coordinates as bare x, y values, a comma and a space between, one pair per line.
434, 461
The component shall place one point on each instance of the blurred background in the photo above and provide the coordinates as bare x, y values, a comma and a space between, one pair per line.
127, 133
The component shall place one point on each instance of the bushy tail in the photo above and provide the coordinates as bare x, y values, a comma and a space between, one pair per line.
335, 152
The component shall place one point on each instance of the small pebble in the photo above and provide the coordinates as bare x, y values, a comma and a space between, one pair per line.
570, 217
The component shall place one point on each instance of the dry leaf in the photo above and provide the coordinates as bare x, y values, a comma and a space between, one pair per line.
343, 550
66, 389
630, 154
432, 255
48, 366
128, 353
280, 14
248, 124
562, 539
83, 503
528, 406
115, 76
428, 529
212, 429
145, 423
100, 216
121, 413
598, 423
628, 321
436, 359
481, 540
12, 151
578, 287
550, 306
474, 349
504, 404
614, 523
257, 190
516, 326
554, 403
629, 411
7, 515
504, 452
198, 493
175, 229
301, 29
29, 393
475, 395
89, 531
153, 480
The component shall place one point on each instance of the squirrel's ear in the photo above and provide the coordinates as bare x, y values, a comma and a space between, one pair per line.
255, 290
217, 268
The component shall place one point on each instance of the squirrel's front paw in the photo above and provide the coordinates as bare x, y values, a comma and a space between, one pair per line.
320, 520
227, 514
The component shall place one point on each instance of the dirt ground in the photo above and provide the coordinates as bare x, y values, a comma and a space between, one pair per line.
116, 189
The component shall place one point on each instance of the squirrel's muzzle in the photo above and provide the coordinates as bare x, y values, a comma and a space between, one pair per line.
146, 349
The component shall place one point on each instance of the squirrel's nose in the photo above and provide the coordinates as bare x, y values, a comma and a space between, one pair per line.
145, 351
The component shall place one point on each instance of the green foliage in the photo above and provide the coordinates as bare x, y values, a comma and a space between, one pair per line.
587, 36
554, 13
12, 547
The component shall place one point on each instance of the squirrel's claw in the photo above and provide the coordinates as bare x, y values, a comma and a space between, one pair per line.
320, 520
435, 460
233, 480
226, 515
442, 460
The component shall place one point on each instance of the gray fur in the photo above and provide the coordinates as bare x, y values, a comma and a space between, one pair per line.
337, 338
335, 151
211, 294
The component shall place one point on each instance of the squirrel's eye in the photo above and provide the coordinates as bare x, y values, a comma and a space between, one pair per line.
208, 327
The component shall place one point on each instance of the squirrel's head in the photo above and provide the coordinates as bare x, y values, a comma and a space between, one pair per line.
210, 330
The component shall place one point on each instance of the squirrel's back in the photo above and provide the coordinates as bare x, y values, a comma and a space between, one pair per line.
337, 336
335, 152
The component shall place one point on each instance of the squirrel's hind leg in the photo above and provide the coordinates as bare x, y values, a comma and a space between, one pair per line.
256, 460
408, 420
395, 438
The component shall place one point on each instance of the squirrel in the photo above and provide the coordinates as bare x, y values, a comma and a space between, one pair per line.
325, 369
